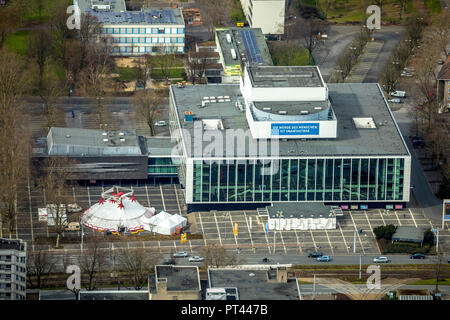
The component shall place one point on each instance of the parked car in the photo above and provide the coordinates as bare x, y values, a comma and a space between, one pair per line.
418, 142
72, 226
182, 254
265, 260
399, 94
395, 100
315, 254
324, 259
195, 259
381, 260
170, 261
160, 123
417, 256
73, 208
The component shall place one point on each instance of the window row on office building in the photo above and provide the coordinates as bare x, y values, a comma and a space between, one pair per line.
312, 179
147, 40
146, 49
143, 30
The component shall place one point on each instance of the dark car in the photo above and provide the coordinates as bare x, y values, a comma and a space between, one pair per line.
315, 254
417, 256
265, 260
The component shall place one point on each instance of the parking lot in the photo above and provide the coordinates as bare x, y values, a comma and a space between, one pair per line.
251, 236
217, 226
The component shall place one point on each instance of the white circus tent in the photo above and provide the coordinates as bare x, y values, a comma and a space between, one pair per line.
117, 210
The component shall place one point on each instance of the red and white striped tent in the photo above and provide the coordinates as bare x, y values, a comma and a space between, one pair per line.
117, 209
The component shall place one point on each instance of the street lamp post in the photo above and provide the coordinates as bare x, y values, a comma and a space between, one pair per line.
354, 242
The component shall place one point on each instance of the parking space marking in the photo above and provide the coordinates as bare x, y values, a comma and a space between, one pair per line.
148, 198
162, 197
371, 230
249, 231
381, 214
396, 215
89, 195
314, 242
201, 225
299, 247
356, 230
178, 201
218, 231
342, 233
413, 217
267, 239
329, 241
282, 240
232, 227
190, 245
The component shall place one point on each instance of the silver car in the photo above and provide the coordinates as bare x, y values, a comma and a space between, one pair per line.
182, 254
381, 260
195, 259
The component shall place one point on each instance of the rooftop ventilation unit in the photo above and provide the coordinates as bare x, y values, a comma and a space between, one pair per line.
317, 108
304, 112
105, 140
364, 123
188, 116
212, 98
267, 109
67, 135
233, 54
121, 134
228, 38
122, 139
226, 97
282, 112
104, 134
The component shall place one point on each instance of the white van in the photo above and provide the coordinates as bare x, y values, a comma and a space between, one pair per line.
400, 94
72, 226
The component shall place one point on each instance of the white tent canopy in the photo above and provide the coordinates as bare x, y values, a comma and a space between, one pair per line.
165, 223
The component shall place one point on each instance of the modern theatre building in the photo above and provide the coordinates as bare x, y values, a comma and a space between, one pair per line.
284, 135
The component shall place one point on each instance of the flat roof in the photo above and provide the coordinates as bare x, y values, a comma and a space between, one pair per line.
116, 5
289, 76
156, 16
179, 278
301, 210
252, 284
114, 295
239, 45
408, 234
349, 100
160, 146
10, 244
91, 142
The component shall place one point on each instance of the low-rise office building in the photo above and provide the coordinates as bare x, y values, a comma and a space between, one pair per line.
238, 47
149, 31
265, 14
175, 283
284, 135
13, 272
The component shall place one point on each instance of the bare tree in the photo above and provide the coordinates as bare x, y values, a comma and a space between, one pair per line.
146, 104
213, 13
40, 51
425, 70
15, 135
441, 31
389, 77
138, 263
91, 260
216, 256
309, 32
50, 89
9, 21
402, 7
54, 180
39, 266
197, 63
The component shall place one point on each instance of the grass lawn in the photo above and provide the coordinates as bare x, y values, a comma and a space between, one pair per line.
442, 282
18, 42
173, 73
126, 74
289, 56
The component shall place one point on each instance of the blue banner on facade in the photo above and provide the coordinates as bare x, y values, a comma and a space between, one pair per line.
294, 129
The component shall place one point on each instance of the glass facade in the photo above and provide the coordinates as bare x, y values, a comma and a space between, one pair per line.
343, 180
161, 166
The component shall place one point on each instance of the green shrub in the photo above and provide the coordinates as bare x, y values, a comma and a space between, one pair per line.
404, 247
384, 232
428, 237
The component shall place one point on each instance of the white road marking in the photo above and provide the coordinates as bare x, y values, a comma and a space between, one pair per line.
282, 240
162, 197
356, 230
148, 198
413, 217
201, 225
396, 215
342, 233
314, 242
371, 230
329, 241
298, 246
89, 196
267, 239
248, 227
381, 214
218, 231
178, 201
